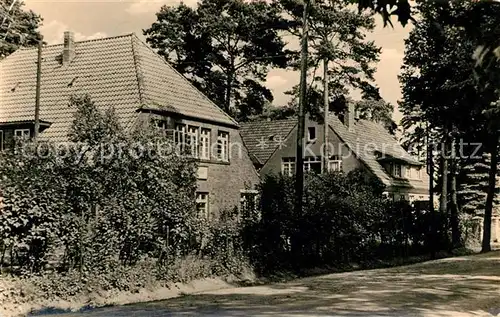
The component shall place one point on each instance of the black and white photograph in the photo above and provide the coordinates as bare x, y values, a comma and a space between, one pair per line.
235, 158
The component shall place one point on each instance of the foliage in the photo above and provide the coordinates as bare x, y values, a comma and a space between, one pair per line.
271, 112
18, 27
225, 47
84, 200
378, 111
345, 220
474, 187
439, 82
338, 35
438, 71
388, 8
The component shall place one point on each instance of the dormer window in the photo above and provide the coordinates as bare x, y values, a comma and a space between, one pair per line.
311, 134
418, 174
408, 171
396, 170
22, 133
413, 172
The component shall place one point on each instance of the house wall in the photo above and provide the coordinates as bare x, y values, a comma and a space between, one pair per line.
224, 180
349, 161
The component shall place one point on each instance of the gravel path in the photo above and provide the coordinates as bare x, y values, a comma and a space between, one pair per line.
463, 286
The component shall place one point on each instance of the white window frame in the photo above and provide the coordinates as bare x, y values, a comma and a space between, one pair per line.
397, 168
418, 173
408, 172
203, 198
311, 160
193, 137
288, 166
1, 140
309, 138
335, 161
413, 172
24, 133
180, 138
205, 143
223, 146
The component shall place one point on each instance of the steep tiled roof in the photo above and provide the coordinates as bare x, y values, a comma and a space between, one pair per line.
121, 72
261, 137
366, 139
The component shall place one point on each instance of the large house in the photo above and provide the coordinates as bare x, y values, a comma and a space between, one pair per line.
124, 73
353, 143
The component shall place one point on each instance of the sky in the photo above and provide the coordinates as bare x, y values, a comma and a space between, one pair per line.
91, 19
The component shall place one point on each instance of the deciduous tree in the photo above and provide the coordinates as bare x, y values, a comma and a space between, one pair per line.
18, 27
438, 81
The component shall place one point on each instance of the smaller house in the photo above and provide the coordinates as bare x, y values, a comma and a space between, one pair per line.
352, 143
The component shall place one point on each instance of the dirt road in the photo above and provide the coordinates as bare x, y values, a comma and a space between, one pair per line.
464, 286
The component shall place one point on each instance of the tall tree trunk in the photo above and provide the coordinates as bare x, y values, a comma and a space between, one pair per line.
229, 84
326, 147
454, 211
443, 200
486, 245
430, 164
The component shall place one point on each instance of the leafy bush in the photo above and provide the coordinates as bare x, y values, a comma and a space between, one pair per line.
109, 198
345, 219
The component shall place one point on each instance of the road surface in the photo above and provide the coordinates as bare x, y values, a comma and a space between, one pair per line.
463, 286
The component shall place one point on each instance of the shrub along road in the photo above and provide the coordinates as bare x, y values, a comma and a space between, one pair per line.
462, 286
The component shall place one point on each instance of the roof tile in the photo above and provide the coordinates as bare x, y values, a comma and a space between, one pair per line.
365, 139
120, 72
258, 133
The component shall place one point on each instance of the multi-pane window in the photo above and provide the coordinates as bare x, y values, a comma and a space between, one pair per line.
205, 144
202, 205
418, 174
288, 166
192, 141
22, 133
408, 172
180, 138
335, 164
413, 172
396, 170
223, 146
312, 164
1, 140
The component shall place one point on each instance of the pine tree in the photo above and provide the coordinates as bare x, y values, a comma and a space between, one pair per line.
18, 27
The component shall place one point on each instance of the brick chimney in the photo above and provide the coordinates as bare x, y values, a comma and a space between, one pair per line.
69, 48
349, 116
